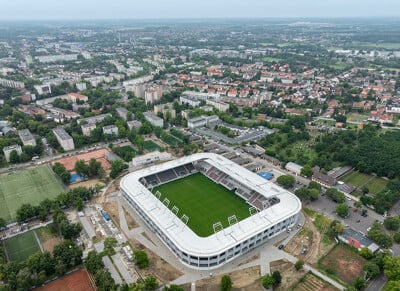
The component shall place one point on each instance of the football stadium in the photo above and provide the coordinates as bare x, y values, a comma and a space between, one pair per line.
209, 210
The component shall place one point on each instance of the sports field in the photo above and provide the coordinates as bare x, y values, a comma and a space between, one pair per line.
26, 186
373, 183
20, 247
204, 202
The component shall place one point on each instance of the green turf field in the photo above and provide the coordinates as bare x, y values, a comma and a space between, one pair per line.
204, 202
26, 186
151, 146
20, 247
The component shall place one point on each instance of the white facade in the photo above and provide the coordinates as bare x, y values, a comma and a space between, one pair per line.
210, 252
150, 158
26, 137
110, 129
64, 139
153, 119
87, 128
7, 151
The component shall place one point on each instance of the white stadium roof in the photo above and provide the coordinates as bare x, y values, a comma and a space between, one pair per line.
182, 236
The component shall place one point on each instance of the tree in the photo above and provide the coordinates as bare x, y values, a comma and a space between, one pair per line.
366, 253
94, 168
267, 281
226, 283
2, 223
150, 282
277, 277
396, 237
14, 157
286, 181
299, 265
359, 283
141, 259
117, 167
93, 262
335, 195
392, 223
109, 244
70, 230
307, 171
173, 288
314, 185
391, 267
68, 254
81, 168
335, 228
342, 210
371, 270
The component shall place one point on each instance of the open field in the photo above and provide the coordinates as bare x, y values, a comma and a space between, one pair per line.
20, 247
78, 280
47, 239
204, 202
344, 263
170, 140
151, 146
99, 155
355, 117
373, 183
27, 186
313, 283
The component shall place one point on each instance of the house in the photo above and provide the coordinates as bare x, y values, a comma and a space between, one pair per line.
26, 137
324, 180
134, 124
153, 119
122, 112
64, 139
294, 168
110, 129
7, 151
87, 128
357, 240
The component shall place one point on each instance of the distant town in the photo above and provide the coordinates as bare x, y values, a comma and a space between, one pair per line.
200, 155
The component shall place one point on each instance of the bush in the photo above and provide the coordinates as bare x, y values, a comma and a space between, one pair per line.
299, 265
226, 283
141, 259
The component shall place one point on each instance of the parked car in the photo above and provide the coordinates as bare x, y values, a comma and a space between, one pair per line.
281, 247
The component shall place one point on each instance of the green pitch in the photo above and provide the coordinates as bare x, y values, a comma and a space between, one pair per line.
26, 186
204, 202
20, 247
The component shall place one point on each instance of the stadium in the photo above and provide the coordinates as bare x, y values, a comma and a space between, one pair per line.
209, 210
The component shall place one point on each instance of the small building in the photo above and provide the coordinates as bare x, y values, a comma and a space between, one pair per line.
153, 119
196, 122
150, 158
136, 124
324, 180
164, 109
64, 139
26, 137
294, 168
7, 151
110, 129
122, 112
94, 119
357, 240
43, 89
87, 128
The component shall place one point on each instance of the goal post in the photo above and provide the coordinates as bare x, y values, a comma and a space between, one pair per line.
175, 210
232, 220
185, 219
166, 202
253, 210
217, 226
158, 194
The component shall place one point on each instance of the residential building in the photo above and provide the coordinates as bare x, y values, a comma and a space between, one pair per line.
190, 101
43, 89
324, 180
56, 58
293, 168
164, 109
110, 129
153, 119
7, 151
26, 137
87, 128
64, 139
12, 84
196, 122
123, 113
94, 119
134, 124
220, 106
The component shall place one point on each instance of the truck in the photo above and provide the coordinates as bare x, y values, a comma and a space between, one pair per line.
105, 215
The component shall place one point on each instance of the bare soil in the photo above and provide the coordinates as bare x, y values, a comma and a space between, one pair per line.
48, 241
112, 209
77, 281
290, 276
344, 263
158, 267
243, 280
86, 184
313, 283
129, 220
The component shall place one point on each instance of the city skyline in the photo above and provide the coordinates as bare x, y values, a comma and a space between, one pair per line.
124, 9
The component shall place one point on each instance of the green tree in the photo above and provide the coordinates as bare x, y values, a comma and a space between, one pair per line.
93, 262
392, 223
226, 283
286, 181
117, 167
277, 277
359, 283
391, 267
371, 270
150, 282
81, 168
307, 171
142, 259
2, 223
396, 237
314, 185
14, 157
342, 210
109, 244
299, 265
173, 288
335, 195
366, 253
267, 281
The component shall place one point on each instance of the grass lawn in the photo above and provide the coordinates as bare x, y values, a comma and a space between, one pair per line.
356, 179
377, 185
343, 262
170, 139
355, 117
20, 247
26, 186
151, 146
204, 202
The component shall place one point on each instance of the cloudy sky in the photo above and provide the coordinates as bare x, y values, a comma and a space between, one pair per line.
117, 9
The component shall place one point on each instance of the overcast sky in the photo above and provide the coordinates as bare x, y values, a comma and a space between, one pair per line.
117, 9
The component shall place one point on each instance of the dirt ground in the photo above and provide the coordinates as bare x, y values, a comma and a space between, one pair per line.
290, 276
77, 281
86, 184
313, 283
310, 239
129, 220
48, 241
346, 264
158, 267
242, 280
99, 155
112, 209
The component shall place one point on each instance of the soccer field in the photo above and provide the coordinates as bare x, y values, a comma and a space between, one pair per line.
26, 186
204, 202
20, 247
